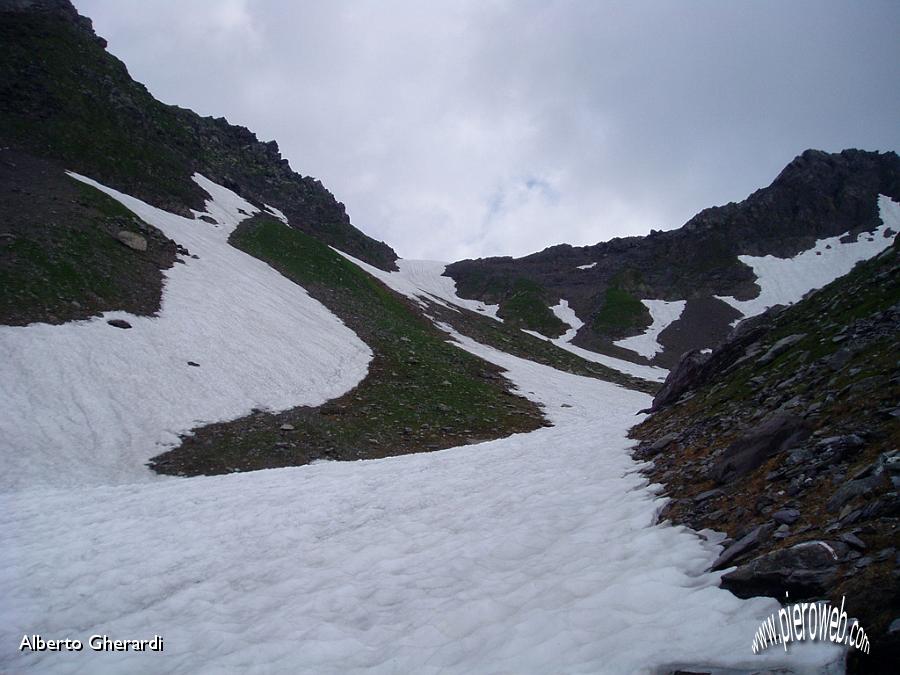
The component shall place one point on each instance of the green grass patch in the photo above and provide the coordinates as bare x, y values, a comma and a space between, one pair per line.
421, 392
61, 260
621, 313
525, 306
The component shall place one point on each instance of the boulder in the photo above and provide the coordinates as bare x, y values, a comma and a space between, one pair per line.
855, 488
777, 432
684, 377
132, 240
780, 348
805, 570
658, 445
742, 545
786, 516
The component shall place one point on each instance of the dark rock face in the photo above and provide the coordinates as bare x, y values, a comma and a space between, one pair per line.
749, 541
776, 433
805, 571
685, 376
817, 195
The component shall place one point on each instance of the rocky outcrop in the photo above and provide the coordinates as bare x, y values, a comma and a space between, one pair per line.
817, 195
696, 368
805, 570
79, 106
776, 433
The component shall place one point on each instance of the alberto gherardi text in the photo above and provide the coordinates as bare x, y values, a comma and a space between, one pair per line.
97, 643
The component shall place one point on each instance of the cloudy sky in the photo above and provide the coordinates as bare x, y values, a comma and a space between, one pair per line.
489, 127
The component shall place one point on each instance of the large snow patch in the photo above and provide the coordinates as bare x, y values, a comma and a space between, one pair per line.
530, 554
87, 403
663, 314
424, 279
783, 281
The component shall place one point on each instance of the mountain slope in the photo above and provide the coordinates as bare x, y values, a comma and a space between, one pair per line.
612, 286
64, 98
787, 434
179, 184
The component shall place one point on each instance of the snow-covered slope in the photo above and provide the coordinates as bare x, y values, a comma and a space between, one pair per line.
783, 281
424, 278
531, 554
567, 315
417, 279
88, 403
663, 314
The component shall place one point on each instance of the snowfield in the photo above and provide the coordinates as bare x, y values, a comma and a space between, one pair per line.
567, 315
784, 281
88, 403
417, 279
424, 279
663, 315
531, 554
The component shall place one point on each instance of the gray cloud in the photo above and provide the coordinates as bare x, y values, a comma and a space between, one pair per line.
490, 127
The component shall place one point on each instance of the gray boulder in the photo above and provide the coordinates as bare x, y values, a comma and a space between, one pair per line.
132, 240
777, 432
780, 348
742, 545
805, 570
786, 516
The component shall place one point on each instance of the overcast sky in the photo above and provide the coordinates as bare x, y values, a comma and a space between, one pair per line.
474, 128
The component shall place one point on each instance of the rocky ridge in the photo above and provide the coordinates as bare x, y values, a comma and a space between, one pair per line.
64, 98
817, 195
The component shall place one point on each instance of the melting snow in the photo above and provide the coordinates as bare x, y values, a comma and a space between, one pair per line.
278, 214
535, 553
418, 279
663, 313
85, 402
567, 315
783, 281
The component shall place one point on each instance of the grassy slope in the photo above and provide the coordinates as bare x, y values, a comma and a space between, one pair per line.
421, 392
526, 306
621, 313
59, 258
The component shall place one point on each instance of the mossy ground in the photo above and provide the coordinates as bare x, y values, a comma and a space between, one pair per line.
526, 306
621, 314
59, 256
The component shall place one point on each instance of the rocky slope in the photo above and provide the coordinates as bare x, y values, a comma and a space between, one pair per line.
787, 434
64, 98
817, 195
